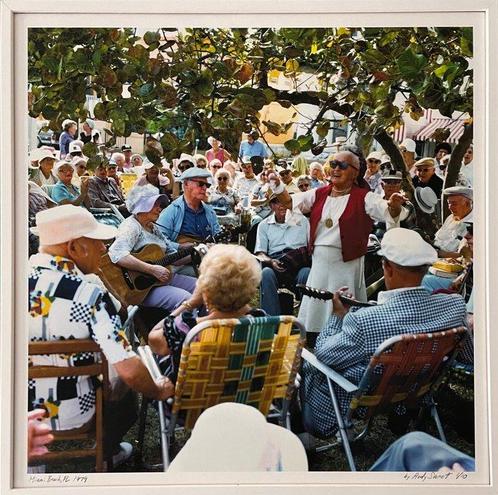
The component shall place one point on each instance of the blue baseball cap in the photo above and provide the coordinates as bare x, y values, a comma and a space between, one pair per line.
196, 173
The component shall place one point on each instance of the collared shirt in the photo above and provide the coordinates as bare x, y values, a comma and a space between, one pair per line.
102, 192
273, 237
257, 148
63, 305
452, 231
195, 223
60, 192
435, 183
244, 186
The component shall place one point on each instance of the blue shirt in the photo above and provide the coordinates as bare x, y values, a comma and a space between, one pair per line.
64, 140
273, 238
60, 192
195, 223
257, 148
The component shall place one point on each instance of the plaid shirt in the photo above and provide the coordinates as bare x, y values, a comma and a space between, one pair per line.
63, 305
346, 345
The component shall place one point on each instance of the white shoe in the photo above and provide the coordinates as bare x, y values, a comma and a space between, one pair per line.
125, 451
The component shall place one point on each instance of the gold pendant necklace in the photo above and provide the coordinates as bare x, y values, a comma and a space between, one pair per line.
328, 223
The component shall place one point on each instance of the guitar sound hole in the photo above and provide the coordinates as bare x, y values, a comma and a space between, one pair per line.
143, 282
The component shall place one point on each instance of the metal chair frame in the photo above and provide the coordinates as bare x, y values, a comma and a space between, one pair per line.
408, 379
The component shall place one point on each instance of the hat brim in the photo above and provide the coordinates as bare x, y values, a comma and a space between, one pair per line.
101, 232
144, 205
421, 203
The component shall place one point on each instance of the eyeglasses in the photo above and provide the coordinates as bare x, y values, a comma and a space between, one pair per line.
200, 183
303, 186
216, 166
338, 163
222, 178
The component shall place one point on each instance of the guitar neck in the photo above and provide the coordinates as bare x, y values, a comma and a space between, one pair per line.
171, 258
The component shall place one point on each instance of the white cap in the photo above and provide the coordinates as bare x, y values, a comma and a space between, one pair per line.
468, 192
376, 155
234, 437
90, 123
406, 247
185, 157
426, 199
60, 164
409, 144
64, 223
74, 147
41, 154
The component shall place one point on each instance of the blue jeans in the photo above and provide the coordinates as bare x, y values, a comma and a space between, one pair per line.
270, 282
417, 451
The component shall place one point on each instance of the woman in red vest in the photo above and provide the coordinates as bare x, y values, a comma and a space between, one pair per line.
341, 219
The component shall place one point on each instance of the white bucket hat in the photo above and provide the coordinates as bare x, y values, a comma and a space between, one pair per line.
426, 199
67, 222
141, 199
234, 437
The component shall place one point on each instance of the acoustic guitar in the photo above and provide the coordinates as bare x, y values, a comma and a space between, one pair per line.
325, 295
131, 286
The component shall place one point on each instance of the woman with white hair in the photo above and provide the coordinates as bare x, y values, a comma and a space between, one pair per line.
229, 278
200, 161
214, 166
139, 230
317, 175
216, 151
69, 128
223, 197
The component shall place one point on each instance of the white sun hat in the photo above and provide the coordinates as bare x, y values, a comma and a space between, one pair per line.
67, 222
234, 437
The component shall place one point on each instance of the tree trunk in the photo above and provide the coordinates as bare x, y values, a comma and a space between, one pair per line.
456, 161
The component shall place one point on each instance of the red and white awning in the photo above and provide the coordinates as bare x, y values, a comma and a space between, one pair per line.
454, 125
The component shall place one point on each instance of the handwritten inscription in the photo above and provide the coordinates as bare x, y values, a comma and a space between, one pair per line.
435, 476
65, 479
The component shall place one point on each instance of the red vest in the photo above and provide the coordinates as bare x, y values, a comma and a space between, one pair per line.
354, 225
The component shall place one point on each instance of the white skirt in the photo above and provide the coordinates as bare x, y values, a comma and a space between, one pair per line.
329, 272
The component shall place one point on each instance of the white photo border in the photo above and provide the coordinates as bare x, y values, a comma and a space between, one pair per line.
16, 16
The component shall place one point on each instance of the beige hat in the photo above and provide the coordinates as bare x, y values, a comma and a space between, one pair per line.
234, 437
425, 162
406, 247
459, 191
40, 154
376, 155
60, 164
64, 223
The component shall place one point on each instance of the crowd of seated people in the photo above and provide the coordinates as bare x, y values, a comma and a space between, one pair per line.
311, 223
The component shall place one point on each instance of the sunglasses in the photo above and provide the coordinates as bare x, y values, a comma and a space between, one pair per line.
184, 167
222, 178
303, 186
216, 166
372, 160
200, 183
341, 165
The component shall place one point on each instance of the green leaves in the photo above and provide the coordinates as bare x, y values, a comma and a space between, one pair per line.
322, 128
151, 37
411, 64
292, 145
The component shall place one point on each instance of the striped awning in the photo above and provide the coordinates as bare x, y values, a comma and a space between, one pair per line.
454, 125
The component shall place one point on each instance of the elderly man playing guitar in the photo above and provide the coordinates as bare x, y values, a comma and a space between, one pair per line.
281, 244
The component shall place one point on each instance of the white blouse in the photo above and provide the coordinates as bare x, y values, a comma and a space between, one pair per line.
375, 207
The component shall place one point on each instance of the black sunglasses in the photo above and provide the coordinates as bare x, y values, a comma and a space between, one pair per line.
222, 178
338, 163
200, 183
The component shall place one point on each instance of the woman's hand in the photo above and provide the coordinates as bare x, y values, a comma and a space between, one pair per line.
160, 272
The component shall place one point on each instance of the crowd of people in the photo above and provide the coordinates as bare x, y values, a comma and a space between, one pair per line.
311, 224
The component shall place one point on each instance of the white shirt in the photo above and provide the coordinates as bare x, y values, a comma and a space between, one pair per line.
448, 237
468, 172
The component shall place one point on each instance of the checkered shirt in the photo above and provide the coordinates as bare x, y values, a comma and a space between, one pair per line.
63, 305
346, 345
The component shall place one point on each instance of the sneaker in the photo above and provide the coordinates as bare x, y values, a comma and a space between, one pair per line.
124, 453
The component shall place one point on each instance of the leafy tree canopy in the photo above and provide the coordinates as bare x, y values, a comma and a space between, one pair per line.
216, 80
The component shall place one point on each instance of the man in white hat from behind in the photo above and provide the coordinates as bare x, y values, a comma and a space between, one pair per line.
448, 237
63, 304
353, 334
231, 437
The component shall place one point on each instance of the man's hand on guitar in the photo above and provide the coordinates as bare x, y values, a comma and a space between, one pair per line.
338, 308
160, 272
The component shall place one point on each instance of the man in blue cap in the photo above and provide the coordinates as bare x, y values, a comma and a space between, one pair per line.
189, 218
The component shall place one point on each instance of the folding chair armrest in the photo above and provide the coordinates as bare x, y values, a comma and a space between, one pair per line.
328, 372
